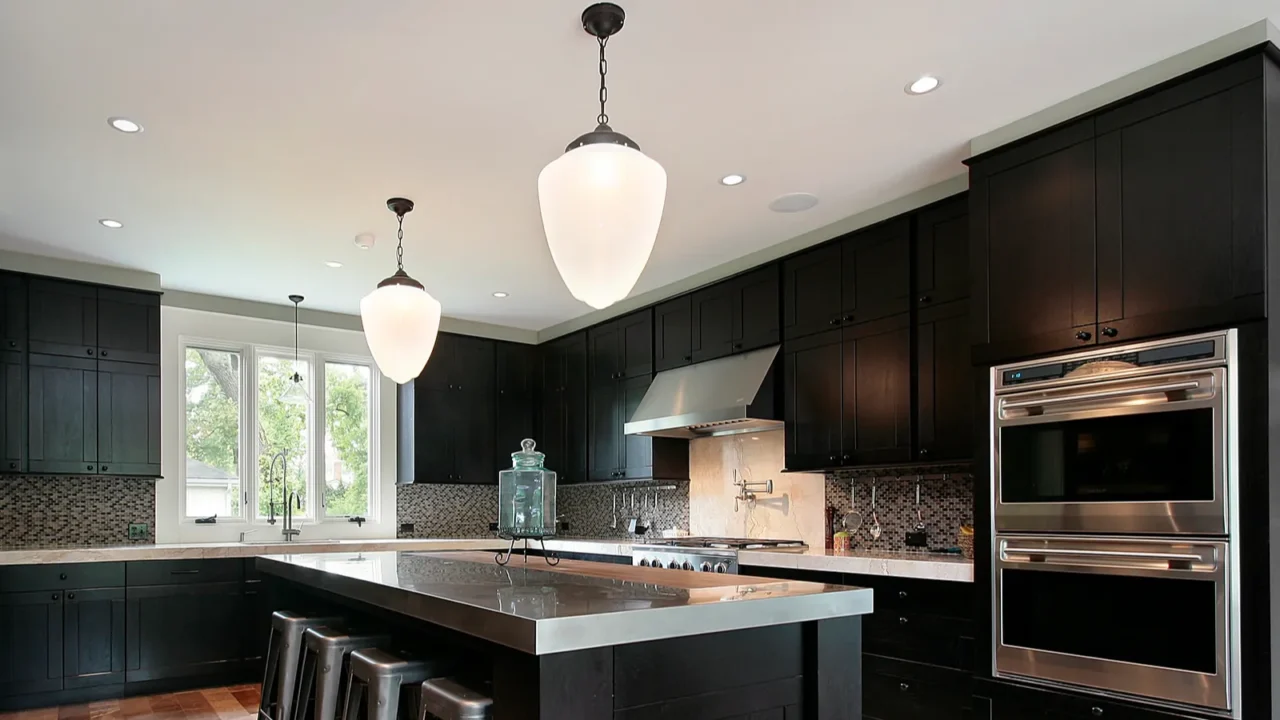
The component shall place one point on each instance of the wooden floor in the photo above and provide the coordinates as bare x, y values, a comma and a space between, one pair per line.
226, 703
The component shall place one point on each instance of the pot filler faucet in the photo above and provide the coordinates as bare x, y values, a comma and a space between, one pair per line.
291, 499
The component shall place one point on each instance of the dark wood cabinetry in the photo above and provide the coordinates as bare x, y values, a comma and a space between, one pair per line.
63, 318
128, 418
1008, 701
563, 414
30, 641
93, 634
62, 407
128, 326
673, 334
736, 315
447, 415
13, 411
861, 277
182, 630
517, 390
620, 361
811, 291
1148, 218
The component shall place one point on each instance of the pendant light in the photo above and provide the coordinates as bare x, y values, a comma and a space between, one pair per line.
296, 393
400, 318
602, 199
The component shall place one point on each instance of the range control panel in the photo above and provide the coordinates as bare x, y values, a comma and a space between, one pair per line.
691, 559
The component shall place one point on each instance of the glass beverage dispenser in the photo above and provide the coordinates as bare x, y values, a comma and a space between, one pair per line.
526, 496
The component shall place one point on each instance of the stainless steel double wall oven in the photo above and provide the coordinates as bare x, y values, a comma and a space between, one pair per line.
1114, 548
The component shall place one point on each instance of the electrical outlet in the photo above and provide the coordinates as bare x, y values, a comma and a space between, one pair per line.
406, 527
139, 531
493, 527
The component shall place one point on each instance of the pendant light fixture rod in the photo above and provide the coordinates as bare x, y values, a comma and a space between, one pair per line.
401, 207
295, 299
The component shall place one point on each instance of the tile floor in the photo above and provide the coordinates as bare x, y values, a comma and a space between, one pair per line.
239, 702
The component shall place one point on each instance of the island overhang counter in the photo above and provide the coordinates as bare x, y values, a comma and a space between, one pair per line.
597, 640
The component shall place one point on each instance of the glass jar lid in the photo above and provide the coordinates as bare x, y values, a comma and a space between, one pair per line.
527, 457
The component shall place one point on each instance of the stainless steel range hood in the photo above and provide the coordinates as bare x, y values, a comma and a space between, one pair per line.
719, 397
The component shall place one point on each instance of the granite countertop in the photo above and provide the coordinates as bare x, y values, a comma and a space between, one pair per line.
576, 605
924, 566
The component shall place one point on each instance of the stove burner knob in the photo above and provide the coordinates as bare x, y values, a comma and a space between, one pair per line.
704, 567
643, 563
674, 565
722, 567
686, 565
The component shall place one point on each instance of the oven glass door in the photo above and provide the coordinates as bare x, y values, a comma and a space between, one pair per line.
1146, 618
1135, 456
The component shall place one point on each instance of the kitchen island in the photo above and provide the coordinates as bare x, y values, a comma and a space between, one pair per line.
594, 640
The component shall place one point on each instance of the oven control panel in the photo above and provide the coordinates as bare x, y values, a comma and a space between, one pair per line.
1102, 362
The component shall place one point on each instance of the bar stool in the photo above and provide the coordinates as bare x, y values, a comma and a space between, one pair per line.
377, 678
284, 651
448, 699
322, 673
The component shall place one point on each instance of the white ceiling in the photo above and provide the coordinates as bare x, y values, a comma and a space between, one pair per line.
276, 130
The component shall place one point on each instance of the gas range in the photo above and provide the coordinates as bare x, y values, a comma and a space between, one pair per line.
704, 554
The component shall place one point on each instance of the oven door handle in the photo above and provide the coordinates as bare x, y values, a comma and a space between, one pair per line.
1101, 395
1105, 553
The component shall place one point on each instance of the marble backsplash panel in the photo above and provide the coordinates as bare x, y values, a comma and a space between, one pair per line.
46, 510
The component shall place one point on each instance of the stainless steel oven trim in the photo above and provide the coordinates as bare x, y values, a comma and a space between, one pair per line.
1218, 691
1224, 354
1202, 517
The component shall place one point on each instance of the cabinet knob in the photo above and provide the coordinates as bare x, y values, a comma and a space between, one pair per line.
102, 353
71, 596
54, 596
104, 468
1084, 335
13, 343
1095, 711
88, 351
13, 466
833, 458
902, 621
737, 346
88, 467
845, 458
902, 594
904, 687
834, 321
62, 576
688, 358
1110, 331
848, 318
925, 299
924, 452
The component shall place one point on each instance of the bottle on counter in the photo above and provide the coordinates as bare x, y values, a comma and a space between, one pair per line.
842, 541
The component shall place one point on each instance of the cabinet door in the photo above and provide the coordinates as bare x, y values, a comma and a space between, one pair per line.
30, 642
13, 411
945, 381
893, 690
1182, 213
714, 311
93, 638
876, 272
128, 326
1032, 247
13, 312
636, 348
604, 353
606, 430
876, 392
757, 322
574, 465
811, 292
62, 414
637, 450
184, 630
434, 425
673, 334
472, 369
435, 374
62, 318
811, 397
552, 421
516, 383
942, 252
128, 419
474, 458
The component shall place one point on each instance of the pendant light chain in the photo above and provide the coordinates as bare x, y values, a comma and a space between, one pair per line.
603, 117
400, 242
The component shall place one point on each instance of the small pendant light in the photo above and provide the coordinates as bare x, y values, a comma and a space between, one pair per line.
296, 393
400, 318
602, 199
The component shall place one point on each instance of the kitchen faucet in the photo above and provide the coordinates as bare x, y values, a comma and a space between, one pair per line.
290, 499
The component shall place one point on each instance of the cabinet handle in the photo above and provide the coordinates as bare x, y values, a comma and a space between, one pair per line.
902, 594
88, 467
104, 468
1110, 331
458, 388
102, 353
848, 318
88, 351
925, 299
902, 621
13, 343
832, 458
1096, 711
55, 596
1084, 335
13, 466
845, 458
71, 596
62, 576
834, 321
904, 687
184, 572
924, 452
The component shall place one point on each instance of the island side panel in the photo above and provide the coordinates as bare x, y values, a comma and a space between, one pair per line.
576, 684
833, 669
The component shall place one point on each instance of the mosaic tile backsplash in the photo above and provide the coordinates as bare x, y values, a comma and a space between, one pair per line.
945, 505
467, 510
41, 510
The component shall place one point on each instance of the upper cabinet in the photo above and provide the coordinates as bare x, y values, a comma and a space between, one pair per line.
13, 313
13, 378
863, 277
447, 415
517, 366
1148, 218
736, 315
63, 318
673, 334
562, 418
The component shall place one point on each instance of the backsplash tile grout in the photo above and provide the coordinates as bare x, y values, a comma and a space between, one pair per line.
81, 511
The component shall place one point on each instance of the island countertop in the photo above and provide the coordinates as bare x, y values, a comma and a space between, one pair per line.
577, 605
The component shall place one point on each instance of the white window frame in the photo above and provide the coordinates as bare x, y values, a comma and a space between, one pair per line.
249, 438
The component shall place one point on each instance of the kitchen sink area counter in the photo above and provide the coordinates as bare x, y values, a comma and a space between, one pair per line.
902, 564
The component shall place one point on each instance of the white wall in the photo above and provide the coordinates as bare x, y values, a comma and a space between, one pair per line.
177, 323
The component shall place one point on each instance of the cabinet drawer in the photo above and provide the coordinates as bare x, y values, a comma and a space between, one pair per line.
918, 637
24, 578
1017, 702
933, 597
183, 572
894, 690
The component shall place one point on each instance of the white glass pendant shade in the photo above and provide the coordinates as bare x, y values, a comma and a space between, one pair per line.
400, 325
601, 207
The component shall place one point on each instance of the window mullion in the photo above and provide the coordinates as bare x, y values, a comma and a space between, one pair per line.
318, 436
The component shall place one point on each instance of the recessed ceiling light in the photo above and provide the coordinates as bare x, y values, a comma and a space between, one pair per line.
333, 263
793, 202
124, 125
733, 179
922, 85
499, 294
364, 241
113, 224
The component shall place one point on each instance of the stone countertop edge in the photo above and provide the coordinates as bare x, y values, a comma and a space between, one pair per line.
951, 568
618, 626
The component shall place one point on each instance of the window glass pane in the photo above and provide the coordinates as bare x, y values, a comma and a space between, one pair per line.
213, 433
283, 411
346, 447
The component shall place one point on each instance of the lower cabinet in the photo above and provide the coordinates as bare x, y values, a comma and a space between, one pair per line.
897, 690
998, 700
93, 638
30, 642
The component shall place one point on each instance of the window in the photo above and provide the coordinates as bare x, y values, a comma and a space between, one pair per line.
213, 433
257, 422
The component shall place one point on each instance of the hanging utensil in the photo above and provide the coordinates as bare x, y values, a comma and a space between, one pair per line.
918, 537
875, 530
852, 520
